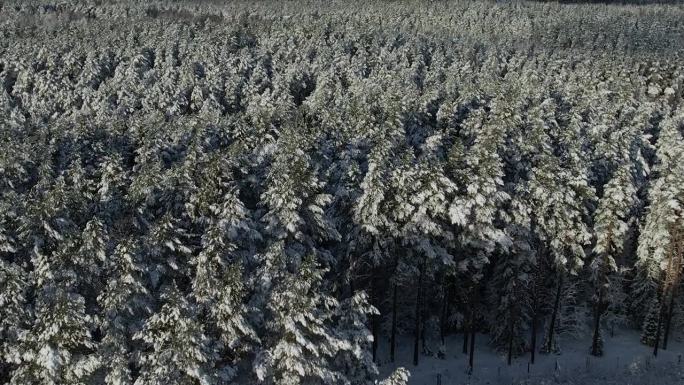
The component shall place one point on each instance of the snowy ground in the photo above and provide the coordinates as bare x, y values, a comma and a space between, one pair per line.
625, 361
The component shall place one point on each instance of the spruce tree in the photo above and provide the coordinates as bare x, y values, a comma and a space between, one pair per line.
649, 328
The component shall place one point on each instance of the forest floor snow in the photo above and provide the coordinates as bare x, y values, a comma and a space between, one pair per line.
625, 361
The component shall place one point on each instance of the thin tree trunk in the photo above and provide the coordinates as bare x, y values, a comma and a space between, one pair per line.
597, 323
472, 330
672, 280
554, 313
465, 339
466, 321
445, 312
534, 318
472, 346
510, 337
376, 317
535, 302
393, 338
657, 336
533, 337
419, 299
423, 317
668, 319
350, 270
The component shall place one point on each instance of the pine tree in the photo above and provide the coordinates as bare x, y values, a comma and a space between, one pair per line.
302, 341
177, 350
510, 285
659, 251
124, 303
610, 226
419, 208
14, 315
295, 201
558, 193
59, 346
512, 275
477, 169
169, 247
374, 228
217, 285
351, 319
91, 254
229, 314
56, 349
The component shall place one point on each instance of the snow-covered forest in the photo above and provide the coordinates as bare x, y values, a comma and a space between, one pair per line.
296, 192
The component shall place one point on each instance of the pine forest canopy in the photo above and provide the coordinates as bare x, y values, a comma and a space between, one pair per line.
220, 192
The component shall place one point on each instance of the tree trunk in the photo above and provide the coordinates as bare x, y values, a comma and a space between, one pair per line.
657, 336
466, 321
393, 338
419, 299
668, 319
472, 346
533, 337
554, 313
445, 312
597, 325
375, 319
465, 337
510, 335
423, 317
350, 273
472, 330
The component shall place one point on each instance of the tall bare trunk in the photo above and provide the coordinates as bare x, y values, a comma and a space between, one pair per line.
419, 299
393, 338
595, 350
533, 337
554, 313
472, 328
510, 336
657, 336
445, 311
466, 326
375, 319
471, 353
534, 321
423, 317
668, 319
466, 320
673, 281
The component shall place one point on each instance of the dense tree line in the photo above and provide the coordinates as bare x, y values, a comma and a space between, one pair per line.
270, 192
